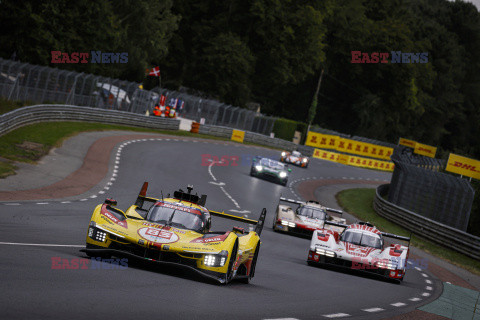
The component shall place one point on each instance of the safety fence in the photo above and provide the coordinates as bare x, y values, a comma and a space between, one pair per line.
45, 85
435, 231
42, 113
220, 114
435, 195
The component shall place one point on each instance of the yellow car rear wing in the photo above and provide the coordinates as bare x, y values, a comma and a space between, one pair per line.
259, 223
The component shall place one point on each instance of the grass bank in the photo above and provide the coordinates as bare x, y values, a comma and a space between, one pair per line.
30, 143
359, 202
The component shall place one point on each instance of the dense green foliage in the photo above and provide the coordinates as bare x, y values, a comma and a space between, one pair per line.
32, 29
284, 129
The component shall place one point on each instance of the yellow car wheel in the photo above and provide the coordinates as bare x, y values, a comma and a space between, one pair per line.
231, 264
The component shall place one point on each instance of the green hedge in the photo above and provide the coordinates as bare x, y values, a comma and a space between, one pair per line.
285, 129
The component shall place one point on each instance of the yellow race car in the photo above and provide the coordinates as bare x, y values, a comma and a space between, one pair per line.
176, 231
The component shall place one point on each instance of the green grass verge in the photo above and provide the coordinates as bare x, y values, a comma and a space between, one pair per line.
359, 202
6, 169
29, 143
8, 105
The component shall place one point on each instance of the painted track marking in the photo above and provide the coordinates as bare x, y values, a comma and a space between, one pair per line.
42, 244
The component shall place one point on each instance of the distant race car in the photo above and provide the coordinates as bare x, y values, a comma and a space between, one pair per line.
175, 231
269, 169
360, 246
295, 158
305, 218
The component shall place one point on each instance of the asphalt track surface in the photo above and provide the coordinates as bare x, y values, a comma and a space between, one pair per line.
284, 285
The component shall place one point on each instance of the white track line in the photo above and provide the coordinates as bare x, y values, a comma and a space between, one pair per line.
42, 244
373, 310
336, 315
398, 304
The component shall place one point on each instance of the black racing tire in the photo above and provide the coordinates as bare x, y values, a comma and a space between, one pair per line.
252, 268
252, 172
284, 182
231, 263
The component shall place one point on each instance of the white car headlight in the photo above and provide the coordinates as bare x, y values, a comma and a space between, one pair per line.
324, 252
283, 174
259, 168
284, 154
304, 160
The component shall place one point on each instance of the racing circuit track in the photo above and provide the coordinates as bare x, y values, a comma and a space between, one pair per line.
283, 287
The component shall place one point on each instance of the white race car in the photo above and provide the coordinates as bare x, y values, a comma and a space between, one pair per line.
305, 218
295, 158
360, 246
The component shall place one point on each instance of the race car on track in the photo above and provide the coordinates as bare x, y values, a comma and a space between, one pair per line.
269, 169
295, 158
305, 218
175, 231
361, 247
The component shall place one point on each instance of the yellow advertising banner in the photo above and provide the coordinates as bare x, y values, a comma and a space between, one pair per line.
320, 140
407, 143
326, 155
370, 163
353, 160
343, 158
364, 149
464, 166
425, 150
327, 141
238, 135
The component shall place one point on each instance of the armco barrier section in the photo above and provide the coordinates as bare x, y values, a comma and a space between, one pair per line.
42, 113
226, 132
437, 232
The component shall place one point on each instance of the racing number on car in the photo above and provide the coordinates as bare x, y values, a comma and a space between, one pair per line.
158, 233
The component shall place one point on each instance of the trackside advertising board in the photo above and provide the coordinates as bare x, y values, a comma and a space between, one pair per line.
353, 160
407, 143
425, 150
238, 135
464, 166
327, 141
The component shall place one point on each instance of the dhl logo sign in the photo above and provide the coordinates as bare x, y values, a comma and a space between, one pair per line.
320, 140
353, 160
407, 143
425, 150
463, 166
238, 135
326, 141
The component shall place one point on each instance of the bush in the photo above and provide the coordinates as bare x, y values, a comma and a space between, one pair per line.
284, 129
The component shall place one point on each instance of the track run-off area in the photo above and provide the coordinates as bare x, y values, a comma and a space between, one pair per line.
43, 274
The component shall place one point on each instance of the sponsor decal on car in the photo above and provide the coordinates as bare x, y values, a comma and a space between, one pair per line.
114, 219
158, 235
209, 240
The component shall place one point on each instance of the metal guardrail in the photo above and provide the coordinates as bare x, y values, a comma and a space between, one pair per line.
226, 132
435, 231
42, 113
